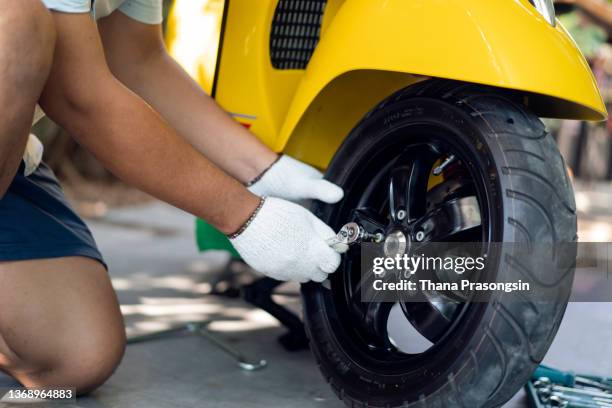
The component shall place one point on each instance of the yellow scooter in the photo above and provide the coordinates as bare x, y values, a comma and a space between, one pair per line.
427, 114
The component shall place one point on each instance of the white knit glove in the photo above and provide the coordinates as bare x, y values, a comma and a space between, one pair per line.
287, 242
295, 181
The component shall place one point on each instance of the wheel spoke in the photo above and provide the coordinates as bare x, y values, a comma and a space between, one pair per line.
433, 318
376, 317
374, 314
368, 219
408, 184
450, 218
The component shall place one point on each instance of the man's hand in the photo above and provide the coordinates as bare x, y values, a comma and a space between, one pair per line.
295, 181
287, 242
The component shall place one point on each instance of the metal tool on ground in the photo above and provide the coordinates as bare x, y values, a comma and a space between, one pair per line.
582, 392
548, 396
578, 400
550, 388
569, 379
559, 402
200, 329
545, 383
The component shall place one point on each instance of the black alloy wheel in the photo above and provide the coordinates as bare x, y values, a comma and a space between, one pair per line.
442, 162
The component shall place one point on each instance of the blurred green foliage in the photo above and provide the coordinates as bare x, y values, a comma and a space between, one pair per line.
588, 36
167, 6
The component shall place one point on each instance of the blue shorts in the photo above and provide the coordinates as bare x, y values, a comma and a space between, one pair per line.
36, 221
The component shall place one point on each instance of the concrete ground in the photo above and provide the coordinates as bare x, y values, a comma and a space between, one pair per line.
161, 281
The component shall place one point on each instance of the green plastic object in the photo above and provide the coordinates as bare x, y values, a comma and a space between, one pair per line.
209, 238
570, 379
565, 378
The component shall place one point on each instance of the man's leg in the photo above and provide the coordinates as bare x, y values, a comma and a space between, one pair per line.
60, 324
27, 39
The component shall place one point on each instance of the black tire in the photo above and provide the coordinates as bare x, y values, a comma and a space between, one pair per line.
499, 344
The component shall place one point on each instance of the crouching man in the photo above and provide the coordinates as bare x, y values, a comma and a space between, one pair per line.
101, 71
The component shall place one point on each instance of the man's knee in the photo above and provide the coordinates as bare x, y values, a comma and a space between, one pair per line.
85, 365
78, 338
90, 368
27, 38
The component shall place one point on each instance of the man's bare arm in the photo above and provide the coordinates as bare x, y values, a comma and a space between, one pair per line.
26, 44
129, 137
137, 56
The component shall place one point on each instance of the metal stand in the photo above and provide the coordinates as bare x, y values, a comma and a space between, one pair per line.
200, 329
259, 294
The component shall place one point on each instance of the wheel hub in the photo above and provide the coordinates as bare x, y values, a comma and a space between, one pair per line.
401, 211
396, 243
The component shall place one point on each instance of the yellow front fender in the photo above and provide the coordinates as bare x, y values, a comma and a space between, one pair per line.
371, 48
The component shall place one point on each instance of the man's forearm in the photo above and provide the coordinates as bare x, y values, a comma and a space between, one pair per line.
133, 142
158, 79
199, 119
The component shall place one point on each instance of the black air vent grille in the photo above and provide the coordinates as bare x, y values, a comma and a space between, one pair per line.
295, 32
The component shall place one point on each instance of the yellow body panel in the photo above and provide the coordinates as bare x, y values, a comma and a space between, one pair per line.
369, 49
192, 35
248, 85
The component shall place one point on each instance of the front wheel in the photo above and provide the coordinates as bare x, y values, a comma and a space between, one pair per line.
501, 161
